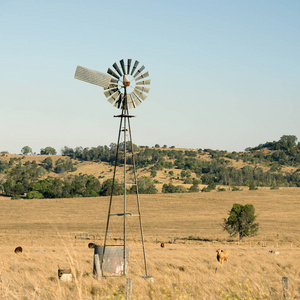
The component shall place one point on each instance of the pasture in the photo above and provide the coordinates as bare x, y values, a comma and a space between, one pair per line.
186, 268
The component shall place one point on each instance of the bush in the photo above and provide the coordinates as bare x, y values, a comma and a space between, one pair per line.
93, 194
235, 188
153, 173
252, 186
34, 195
194, 188
170, 188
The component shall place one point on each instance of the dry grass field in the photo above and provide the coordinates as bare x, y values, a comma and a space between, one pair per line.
186, 268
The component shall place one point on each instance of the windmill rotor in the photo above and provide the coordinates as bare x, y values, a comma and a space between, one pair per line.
124, 84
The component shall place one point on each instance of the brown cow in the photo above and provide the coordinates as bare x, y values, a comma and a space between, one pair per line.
222, 255
65, 275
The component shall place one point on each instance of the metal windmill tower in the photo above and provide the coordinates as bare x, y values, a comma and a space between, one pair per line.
125, 89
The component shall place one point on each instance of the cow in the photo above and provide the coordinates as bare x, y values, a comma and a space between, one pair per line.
91, 245
18, 250
65, 275
222, 255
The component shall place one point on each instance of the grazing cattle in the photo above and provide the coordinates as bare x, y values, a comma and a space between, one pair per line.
18, 250
222, 255
162, 245
91, 245
274, 252
65, 275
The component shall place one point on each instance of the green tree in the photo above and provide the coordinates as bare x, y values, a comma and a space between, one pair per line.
26, 150
145, 186
170, 188
153, 173
48, 151
252, 186
48, 163
241, 221
194, 188
107, 186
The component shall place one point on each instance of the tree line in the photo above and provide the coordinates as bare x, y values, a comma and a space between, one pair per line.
26, 179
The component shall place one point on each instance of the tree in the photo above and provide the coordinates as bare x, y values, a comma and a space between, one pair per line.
241, 221
145, 186
48, 151
288, 141
26, 150
48, 163
107, 186
153, 173
170, 188
194, 188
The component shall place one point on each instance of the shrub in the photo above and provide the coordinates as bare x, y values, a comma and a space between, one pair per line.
34, 195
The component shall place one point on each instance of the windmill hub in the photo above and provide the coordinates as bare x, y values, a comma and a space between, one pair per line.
126, 81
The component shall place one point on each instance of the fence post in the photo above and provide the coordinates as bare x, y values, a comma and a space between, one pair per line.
128, 288
285, 285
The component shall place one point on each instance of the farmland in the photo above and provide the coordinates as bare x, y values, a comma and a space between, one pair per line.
186, 268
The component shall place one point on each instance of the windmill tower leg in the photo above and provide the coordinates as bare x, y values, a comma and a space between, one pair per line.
125, 128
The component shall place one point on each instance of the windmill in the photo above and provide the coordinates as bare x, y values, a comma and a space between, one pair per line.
125, 88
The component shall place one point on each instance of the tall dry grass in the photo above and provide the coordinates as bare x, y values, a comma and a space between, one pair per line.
186, 269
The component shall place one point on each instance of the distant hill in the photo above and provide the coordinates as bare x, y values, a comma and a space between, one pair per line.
273, 164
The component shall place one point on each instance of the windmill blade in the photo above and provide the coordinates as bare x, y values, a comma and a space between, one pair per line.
135, 99
114, 80
117, 68
128, 65
114, 97
142, 76
110, 92
129, 101
144, 82
123, 66
109, 71
142, 88
92, 76
140, 95
134, 66
139, 71
111, 86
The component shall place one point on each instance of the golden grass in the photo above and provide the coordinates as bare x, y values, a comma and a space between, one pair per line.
186, 269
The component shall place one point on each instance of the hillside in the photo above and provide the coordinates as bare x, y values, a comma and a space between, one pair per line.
275, 165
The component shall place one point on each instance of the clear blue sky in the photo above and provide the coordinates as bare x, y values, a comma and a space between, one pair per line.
224, 74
